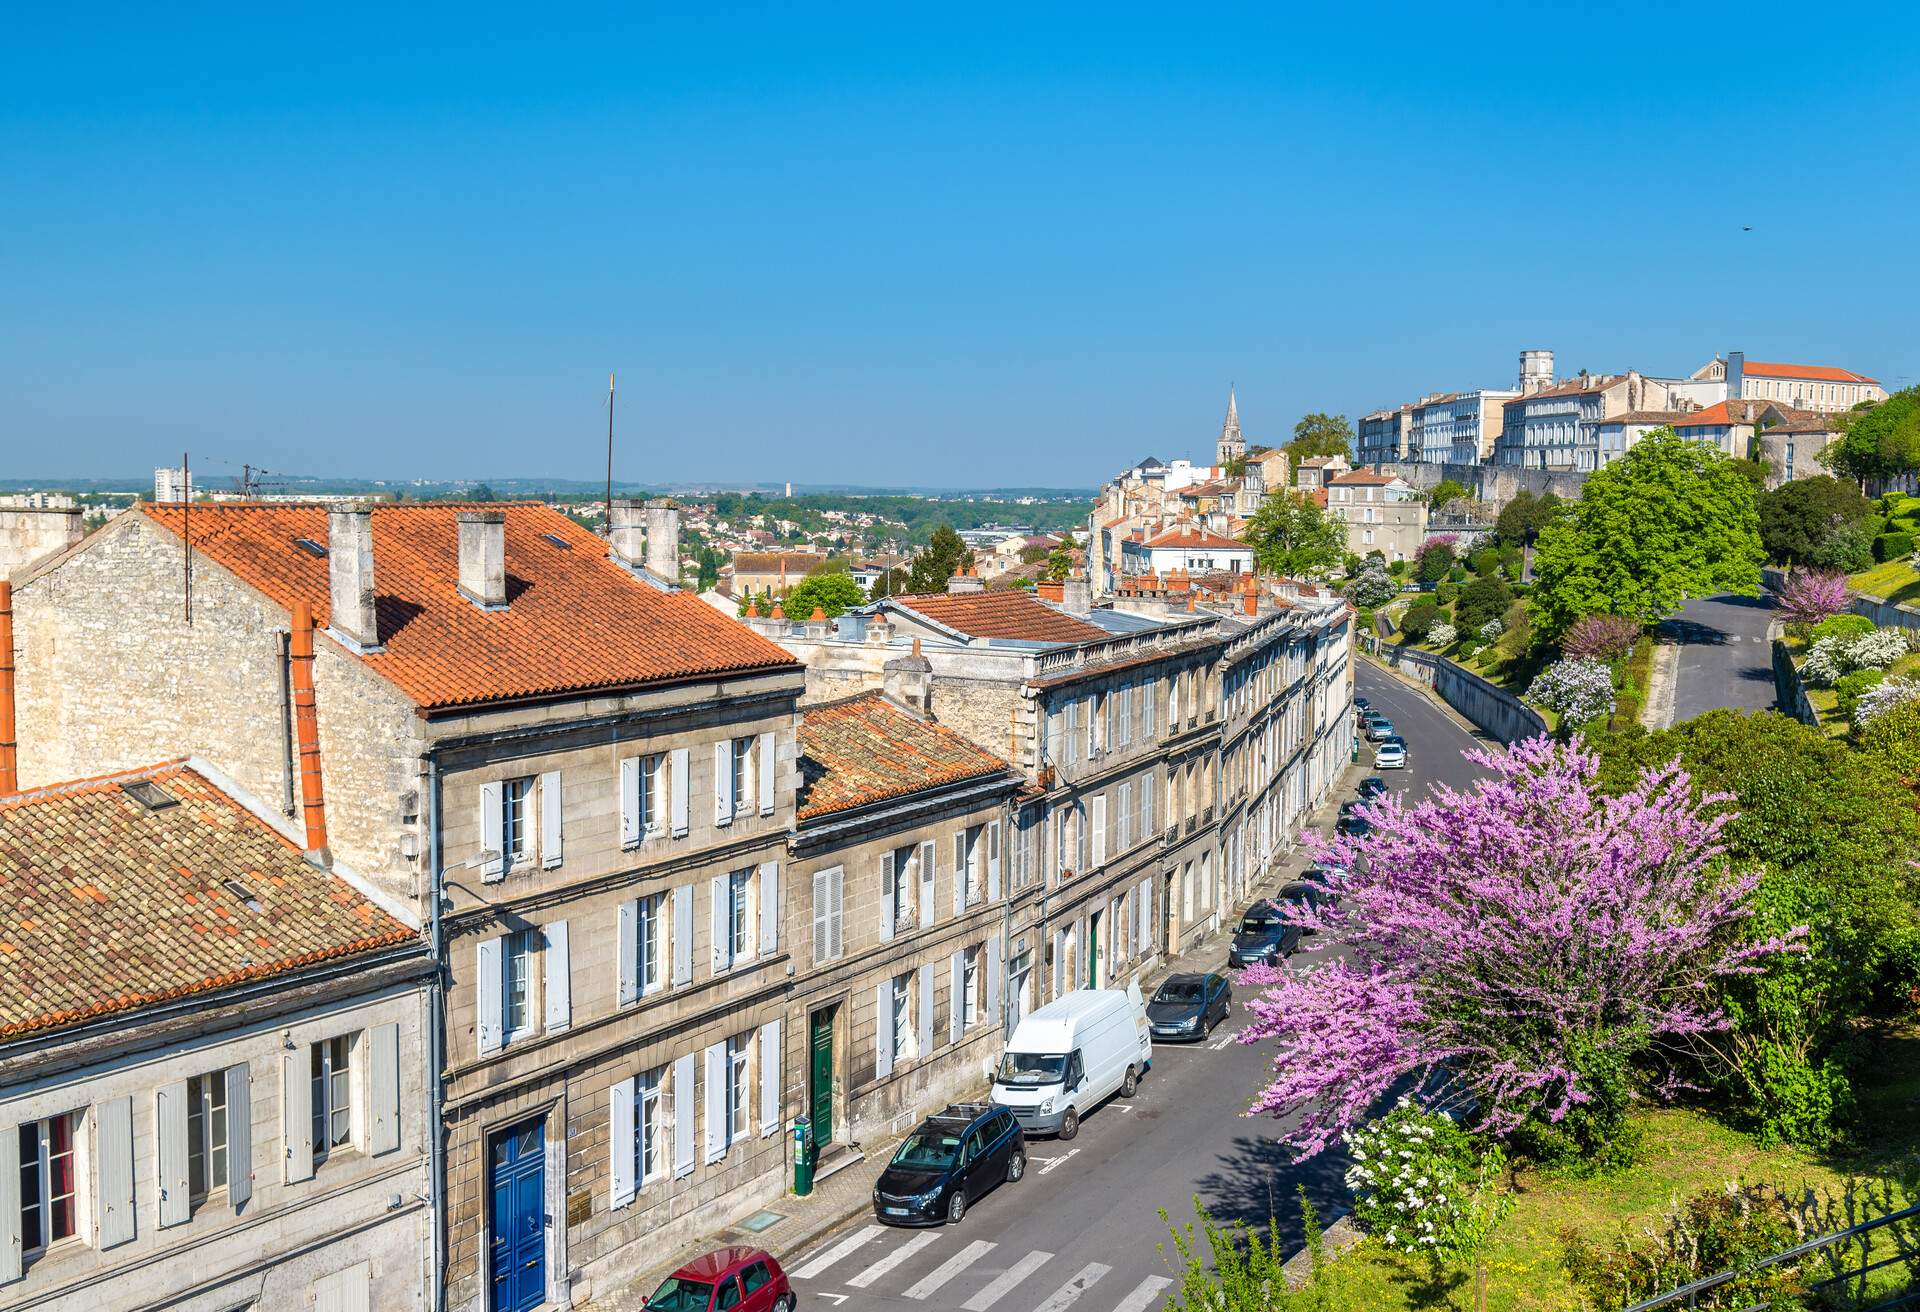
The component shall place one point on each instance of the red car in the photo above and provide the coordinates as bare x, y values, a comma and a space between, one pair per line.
725, 1280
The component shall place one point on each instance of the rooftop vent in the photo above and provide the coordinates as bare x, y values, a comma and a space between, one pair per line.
149, 794
557, 541
242, 894
309, 546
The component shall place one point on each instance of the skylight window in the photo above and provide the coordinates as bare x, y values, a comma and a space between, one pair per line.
241, 893
149, 794
309, 546
558, 541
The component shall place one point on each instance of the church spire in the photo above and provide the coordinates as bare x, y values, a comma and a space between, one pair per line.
1232, 446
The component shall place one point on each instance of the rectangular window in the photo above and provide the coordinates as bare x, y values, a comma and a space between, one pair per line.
902, 1016
516, 991
206, 1134
649, 1126
332, 1096
651, 772
973, 983
650, 972
514, 842
49, 1210
742, 755
738, 1110
739, 926
975, 840
906, 878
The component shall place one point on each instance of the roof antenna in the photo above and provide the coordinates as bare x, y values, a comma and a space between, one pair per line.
606, 520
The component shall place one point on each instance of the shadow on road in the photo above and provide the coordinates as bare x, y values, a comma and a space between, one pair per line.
1692, 631
1258, 1180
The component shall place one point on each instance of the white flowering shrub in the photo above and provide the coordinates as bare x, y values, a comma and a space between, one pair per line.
1421, 1186
1373, 586
1491, 631
1826, 661
1579, 690
1876, 650
1442, 635
1877, 701
1829, 658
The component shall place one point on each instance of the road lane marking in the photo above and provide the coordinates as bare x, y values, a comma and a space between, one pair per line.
1012, 1276
1052, 1162
952, 1267
824, 1260
892, 1260
1143, 1295
1064, 1296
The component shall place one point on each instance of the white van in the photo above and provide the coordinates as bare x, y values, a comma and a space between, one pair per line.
1070, 1054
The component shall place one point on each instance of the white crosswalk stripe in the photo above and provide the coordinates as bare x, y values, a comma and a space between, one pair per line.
1143, 1295
952, 1267
1064, 1297
892, 1260
824, 1260
1012, 1276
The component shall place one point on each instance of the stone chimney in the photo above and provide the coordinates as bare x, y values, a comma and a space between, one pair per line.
1077, 596
965, 580
663, 540
909, 681
818, 625
624, 527
1050, 590
483, 557
350, 576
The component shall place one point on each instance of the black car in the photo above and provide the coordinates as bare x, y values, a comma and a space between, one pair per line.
1264, 936
1371, 787
948, 1164
1326, 878
1355, 826
1189, 1006
1361, 704
1307, 896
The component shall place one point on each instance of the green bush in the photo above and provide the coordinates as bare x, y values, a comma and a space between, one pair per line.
1893, 546
1398, 569
1469, 649
1717, 1229
1841, 626
1420, 618
1849, 687
1482, 600
1445, 593
1485, 561
1459, 574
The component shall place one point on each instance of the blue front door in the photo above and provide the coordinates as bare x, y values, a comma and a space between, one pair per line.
518, 1223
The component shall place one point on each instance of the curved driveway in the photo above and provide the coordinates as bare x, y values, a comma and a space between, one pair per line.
1725, 656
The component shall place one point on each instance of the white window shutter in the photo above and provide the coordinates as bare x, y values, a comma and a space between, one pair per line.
957, 996
491, 832
769, 907
683, 1162
487, 981
883, 1029
960, 873
170, 1151
383, 1130
10, 1238
769, 1078
835, 905
822, 886
239, 1135
559, 979
928, 867
926, 1011
630, 801
296, 1113
683, 935
550, 817
766, 771
1123, 819
993, 861
723, 782
620, 1143
1099, 827
626, 952
681, 783
718, 922
994, 982
886, 897
716, 1101
114, 1166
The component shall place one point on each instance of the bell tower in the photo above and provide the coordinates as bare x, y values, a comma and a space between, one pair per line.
1232, 446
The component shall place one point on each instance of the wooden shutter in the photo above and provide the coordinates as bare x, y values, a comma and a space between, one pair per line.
769, 1078
170, 1152
296, 1113
769, 907
926, 1011
11, 1258
680, 785
626, 952
239, 1135
1147, 687
492, 836
1123, 819
834, 919
1099, 827
993, 861
995, 970
766, 771
345, 1291
718, 921
887, 876
383, 1130
620, 1143
487, 1001
551, 817
960, 872
927, 869
683, 1162
716, 1101
630, 818
1145, 903
883, 1029
723, 782
956, 998
822, 887
559, 978
683, 935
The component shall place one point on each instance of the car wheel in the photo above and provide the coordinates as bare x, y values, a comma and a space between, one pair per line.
784, 1303
1016, 1166
957, 1207
1131, 1084
1070, 1124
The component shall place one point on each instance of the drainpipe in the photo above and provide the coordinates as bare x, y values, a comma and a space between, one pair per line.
436, 1043
306, 725
9, 749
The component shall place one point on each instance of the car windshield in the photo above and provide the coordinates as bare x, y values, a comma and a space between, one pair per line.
1260, 922
1179, 990
928, 1150
1032, 1068
679, 1294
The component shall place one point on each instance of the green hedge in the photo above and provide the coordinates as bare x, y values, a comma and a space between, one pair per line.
1892, 546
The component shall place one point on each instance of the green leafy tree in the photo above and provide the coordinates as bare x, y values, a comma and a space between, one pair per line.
1320, 434
1448, 490
1668, 521
945, 553
1420, 620
1881, 441
1060, 562
892, 583
1433, 562
1797, 519
1290, 534
1522, 519
1482, 600
832, 591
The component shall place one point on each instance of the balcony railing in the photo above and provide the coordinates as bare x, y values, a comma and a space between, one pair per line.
1848, 1255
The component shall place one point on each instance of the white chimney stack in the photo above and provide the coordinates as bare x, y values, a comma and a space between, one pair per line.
483, 557
350, 576
663, 540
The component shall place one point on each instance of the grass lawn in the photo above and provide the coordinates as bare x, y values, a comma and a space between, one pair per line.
1632, 697
1895, 581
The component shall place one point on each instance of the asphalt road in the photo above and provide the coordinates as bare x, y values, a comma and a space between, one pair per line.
1082, 1230
1725, 658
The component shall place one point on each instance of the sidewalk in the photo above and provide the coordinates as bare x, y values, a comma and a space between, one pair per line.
848, 1192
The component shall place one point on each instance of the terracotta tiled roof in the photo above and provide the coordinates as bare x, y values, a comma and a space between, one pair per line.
1804, 423
106, 905
1361, 478
575, 621
768, 562
1723, 413
866, 749
1591, 383
1013, 613
1655, 417
1819, 373
1192, 535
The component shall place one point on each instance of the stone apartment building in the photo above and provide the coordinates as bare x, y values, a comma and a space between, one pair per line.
1385, 436
212, 1059
1558, 427
1381, 513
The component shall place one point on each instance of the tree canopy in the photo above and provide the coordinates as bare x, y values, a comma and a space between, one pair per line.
944, 553
1797, 519
1320, 434
1880, 441
1447, 490
1522, 518
830, 590
1290, 534
1668, 521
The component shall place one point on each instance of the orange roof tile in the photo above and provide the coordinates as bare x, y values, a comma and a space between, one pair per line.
1009, 613
1819, 373
110, 906
575, 620
1192, 535
866, 749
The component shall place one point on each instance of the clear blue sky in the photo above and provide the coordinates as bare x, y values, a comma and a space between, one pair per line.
927, 244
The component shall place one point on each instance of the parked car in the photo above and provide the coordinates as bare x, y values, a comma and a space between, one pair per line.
949, 1164
1354, 825
1304, 896
1264, 936
1189, 1006
1378, 727
725, 1280
1326, 878
1072, 1054
1362, 705
1390, 755
1371, 787
1349, 806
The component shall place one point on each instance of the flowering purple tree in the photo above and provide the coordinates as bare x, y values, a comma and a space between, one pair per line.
1547, 951
1809, 597
1600, 637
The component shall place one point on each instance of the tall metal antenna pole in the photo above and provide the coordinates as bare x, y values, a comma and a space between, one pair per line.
606, 522
186, 527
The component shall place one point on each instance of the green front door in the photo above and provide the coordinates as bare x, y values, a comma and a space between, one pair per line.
820, 1082
1093, 951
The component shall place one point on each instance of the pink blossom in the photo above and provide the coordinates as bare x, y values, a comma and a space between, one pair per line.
1809, 597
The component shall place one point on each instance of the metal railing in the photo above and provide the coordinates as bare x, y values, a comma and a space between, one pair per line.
1856, 1269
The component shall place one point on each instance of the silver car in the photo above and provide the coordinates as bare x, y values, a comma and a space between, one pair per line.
1390, 756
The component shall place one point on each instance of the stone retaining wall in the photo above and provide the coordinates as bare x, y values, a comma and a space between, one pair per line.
1497, 711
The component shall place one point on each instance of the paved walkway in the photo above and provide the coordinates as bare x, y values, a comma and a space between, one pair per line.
1726, 656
